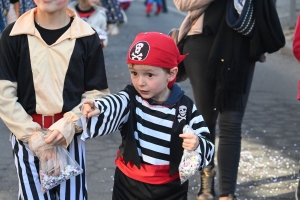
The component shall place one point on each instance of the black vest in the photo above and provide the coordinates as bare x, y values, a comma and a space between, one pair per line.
128, 148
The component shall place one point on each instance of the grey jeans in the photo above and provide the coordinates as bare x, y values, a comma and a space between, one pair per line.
230, 122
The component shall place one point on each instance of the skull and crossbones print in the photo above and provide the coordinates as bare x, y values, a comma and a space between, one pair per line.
136, 53
181, 113
139, 51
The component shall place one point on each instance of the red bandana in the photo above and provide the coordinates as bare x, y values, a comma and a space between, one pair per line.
154, 49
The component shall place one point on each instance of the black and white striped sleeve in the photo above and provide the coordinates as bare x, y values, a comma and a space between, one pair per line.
205, 148
114, 112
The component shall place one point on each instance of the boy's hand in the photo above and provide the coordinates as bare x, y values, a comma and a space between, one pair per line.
89, 109
55, 138
49, 159
190, 141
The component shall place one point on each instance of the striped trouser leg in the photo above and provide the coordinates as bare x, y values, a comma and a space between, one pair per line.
76, 187
27, 166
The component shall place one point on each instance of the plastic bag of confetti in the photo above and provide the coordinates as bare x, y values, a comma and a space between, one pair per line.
56, 163
56, 166
190, 161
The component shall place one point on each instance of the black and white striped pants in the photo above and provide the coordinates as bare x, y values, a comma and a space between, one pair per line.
27, 166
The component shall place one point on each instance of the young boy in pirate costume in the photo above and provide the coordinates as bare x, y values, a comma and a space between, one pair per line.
150, 115
50, 61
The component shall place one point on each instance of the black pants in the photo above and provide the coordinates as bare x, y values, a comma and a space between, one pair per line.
126, 188
230, 122
164, 6
298, 189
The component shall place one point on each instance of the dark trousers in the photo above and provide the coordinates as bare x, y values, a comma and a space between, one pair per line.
298, 189
126, 188
2, 25
230, 122
164, 6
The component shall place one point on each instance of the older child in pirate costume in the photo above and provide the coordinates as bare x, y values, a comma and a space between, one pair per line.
48, 58
150, 115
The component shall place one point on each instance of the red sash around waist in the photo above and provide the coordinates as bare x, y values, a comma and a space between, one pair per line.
46, 120
151, 174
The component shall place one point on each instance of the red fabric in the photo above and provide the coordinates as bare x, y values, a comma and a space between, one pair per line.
158, 9
154, 49
125, 5
148, 8
163, 51
151, 174
296, 41
48, 120
85, 14
296, 48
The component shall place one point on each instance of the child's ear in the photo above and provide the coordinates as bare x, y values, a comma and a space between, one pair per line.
173, 73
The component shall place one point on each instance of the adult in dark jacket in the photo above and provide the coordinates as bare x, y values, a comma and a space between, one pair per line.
224, 39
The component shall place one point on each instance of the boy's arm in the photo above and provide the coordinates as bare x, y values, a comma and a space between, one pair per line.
206, 147
114, 112
11, 111
95, 87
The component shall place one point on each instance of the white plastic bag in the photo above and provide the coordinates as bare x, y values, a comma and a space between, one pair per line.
56, 164
190, 161
60, 167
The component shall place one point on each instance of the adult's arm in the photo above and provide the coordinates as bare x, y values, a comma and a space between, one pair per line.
189, 5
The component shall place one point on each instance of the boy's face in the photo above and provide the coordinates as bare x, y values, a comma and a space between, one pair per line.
52, 6
151, 82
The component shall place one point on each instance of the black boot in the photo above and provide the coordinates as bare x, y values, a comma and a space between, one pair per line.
207, 191
231, 197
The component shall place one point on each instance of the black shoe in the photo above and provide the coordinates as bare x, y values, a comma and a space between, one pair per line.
207, 190
148, 15
231, 197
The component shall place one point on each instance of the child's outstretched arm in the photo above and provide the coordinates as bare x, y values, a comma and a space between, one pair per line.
104, 115
89, 109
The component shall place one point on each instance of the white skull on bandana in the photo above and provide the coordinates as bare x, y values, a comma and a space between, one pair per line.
139, 51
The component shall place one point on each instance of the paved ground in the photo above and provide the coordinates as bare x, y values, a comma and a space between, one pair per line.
270, 145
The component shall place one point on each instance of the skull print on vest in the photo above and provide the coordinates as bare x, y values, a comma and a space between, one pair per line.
182, 113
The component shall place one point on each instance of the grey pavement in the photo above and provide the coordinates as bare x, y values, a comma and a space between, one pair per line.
269, 162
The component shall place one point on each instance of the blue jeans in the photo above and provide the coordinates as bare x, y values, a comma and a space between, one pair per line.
2, 25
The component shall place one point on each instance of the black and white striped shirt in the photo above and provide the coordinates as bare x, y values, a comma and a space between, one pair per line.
153, 125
